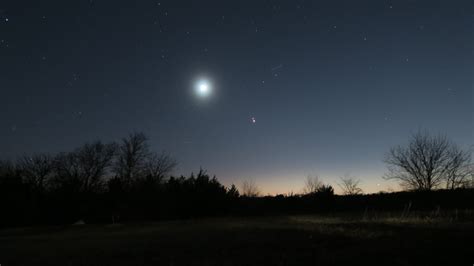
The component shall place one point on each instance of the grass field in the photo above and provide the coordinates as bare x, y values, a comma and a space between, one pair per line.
287, 240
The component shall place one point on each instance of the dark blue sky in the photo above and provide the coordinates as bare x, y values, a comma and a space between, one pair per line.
332, 84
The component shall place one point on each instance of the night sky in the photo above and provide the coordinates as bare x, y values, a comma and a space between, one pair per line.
296, 88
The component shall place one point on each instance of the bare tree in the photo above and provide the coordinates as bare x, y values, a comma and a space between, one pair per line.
157, 166
427, 162
312, 184
470, 181
131, 159
349, 185
250, 188
95, 160
459, 168
67, 170
36, 170
86, 167
8, 169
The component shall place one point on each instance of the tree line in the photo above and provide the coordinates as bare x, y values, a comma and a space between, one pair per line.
124, 180
116, 182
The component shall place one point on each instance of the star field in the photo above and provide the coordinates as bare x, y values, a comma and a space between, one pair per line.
296, 87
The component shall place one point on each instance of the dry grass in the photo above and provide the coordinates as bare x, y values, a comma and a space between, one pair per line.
287, 240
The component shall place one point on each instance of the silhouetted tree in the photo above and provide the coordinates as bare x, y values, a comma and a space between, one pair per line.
327, 190
312, 184
84, 169
36, 170
157, 166
470, 181
233, 192
9, 171
459, 168
13, 195
131, 158
250, 188
349, 185
427, 162
95, 160
67, 172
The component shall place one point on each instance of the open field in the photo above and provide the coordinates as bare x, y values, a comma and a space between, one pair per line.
285, 240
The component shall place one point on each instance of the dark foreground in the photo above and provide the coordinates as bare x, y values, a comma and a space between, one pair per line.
289, 240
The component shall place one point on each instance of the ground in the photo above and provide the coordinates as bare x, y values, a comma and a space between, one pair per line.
283, 240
